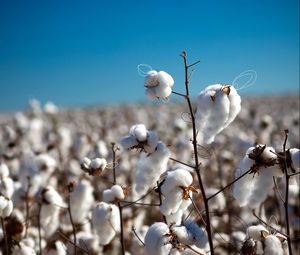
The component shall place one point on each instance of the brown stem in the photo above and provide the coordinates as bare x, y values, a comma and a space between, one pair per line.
5, 236
135, 202
73, 225
71, 242
39, 227
185, 164
197, 164
178, 94
286, 200
137, 236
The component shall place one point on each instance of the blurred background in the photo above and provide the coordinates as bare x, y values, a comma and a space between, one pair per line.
78, 53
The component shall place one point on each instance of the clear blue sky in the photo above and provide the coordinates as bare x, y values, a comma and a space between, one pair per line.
78, 53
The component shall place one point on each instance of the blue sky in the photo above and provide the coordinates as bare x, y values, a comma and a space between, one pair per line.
78, 53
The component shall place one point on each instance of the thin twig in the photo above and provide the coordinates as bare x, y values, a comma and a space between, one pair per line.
27, 205
228, 185
291, 175
192, 249
277, 190
137, 236
141, 198
195, 63
39, 227
178, 161
137, 203
71, 219
197, 164
286, 200
179, 94
4, 235
71, 242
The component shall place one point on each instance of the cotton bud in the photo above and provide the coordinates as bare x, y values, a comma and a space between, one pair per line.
157, 240
158, 84
6, 207
106, 222
115, 193
257, 233
150, 167
217, 107
175, 189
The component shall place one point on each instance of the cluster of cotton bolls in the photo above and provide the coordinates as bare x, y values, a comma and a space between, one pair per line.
58, 175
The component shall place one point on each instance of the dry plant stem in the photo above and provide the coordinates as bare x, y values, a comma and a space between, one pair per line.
4, 235
286, 200
179, 94
119, 203
180, 162
229, 184
268, 225
137, 236
197, 164
39, 227
27, 205
135, 202
73, 225
68, 240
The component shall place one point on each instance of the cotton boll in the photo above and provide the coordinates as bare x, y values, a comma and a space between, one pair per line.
86, 163
150, 167
256, 232
45, 163
235, 105
86, 241
295, 157
151, 79
97, 166
157, 240
128, 142
58, 249
163, 91
114, 193
139, 131
22, 249
4, 171
7, 187
273, 246
106, 222
6, 206
165, 79
152, 141
171, 202
81, 200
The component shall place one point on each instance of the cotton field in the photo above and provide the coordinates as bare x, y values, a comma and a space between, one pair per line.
214, 175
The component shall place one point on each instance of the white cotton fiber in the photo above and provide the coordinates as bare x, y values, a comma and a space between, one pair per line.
150, 167
216, 109
114, 193
158, 84
106, 222
295, 157
157, 240
6, 206
255, 232
273, 246
173, 190
139, 131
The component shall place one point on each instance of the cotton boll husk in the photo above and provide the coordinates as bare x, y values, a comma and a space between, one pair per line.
156, 240
177, 178
106, 222
150, 167
255, 232
273, 246
235, 105
139, 131
128, 142
295, 157
151, 79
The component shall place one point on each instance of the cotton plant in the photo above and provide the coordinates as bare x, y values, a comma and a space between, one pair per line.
114, 194
217, 107
253, 188
150, 167
93, 167
176, 188
52, 202
157, 239
158, 84
106, 222
6, 183
141, 138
